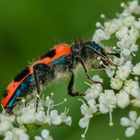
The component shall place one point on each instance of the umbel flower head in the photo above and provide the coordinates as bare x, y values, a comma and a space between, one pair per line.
124, 79
27, 115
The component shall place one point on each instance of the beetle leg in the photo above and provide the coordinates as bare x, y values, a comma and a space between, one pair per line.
86, 72
37, 86
70, 86
36, 69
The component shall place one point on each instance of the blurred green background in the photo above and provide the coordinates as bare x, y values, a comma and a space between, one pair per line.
29, 28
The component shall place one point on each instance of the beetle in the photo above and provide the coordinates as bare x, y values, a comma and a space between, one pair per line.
63, 58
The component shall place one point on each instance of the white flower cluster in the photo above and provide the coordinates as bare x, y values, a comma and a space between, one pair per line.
27, 115
9, 131
124, 79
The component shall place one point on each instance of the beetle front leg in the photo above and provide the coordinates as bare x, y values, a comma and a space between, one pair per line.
86, 72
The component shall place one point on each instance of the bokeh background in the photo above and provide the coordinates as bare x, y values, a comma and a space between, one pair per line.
29, 28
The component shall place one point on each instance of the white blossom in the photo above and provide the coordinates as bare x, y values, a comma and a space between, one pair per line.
16, 134
100, 34
44, 135
124, 70
136, 69
38, 138
130, 131
123, 99
121, 32
132, 123
84, 122
110, 72
107, 101
66, 119
116, 83
55, 118
112, 26
137, 24
136, 101
6, 122
86, 110
8, 135
93, 92
132, 87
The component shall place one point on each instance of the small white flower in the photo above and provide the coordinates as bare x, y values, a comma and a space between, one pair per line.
48, 102
20, 134
93, 92
8, 135
136, 69
132, 87
111, 26
125, 121
136, 101
126, 53
26, 118
130, 131
110, 72
5, 126
92, 105
55, 118
84, 122
137, 24
40, 116
121, 32
107, 101
116, 83
100, 34
133, 6
66, 119
124, 70
123, 99
134, 48
133, 123
102, 108
38, 138
45, 133
129, 21
133, 115
86, 111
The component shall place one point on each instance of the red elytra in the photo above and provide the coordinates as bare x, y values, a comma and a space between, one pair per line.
61, 50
